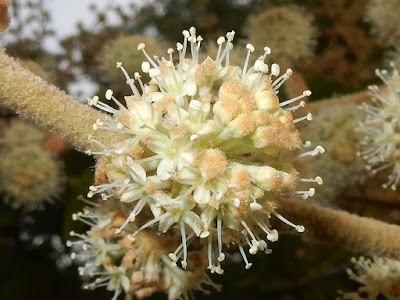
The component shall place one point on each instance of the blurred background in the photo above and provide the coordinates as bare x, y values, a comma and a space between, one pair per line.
75, 45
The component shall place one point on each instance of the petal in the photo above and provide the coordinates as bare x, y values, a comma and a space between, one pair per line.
131, 195
209, 127
188, 176
166, 223
125, 282
194, 222
208, 215
158, 142
137, 172
202, 195
165, 169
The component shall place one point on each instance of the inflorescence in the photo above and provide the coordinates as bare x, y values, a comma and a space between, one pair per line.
137, 268
381, 127
208, 153
378, 277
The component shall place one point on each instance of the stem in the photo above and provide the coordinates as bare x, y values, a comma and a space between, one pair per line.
50, 107
351, 232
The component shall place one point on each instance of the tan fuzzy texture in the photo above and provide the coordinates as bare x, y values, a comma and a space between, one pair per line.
50, 107
212, 163
384, 18
288, 31
347, 231
29, 176
4, 19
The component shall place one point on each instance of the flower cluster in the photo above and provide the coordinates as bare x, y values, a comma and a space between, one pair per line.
290, 32
383, 14
138, 269
208, 153
378, 277
30, 175
381, 128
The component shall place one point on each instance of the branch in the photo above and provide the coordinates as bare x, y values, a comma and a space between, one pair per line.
50, 107
351, 232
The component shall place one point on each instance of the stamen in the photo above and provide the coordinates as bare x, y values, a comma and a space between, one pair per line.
281, 80
317, 179
267, 51
316, 151
306, 194
295, 107
250, 49
148, 224
248, 265
141, 47
183, 234
248, 229
130, 82
306, 93
299, 228
210, 264
221, 256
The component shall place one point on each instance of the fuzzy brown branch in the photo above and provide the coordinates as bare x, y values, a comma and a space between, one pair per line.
360, 235
50, 107
4, 20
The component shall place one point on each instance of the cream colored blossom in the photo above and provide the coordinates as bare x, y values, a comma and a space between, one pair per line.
383, 15
381, 127
209, 150
136, 268
378, 277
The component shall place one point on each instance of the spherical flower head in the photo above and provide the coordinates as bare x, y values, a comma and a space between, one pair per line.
287, 30
135, 268
384, 15
379, 277
381, 127
20, 132
29, 176
209, 150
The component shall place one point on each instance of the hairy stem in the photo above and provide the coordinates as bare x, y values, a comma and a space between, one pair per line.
50, 107
351, 232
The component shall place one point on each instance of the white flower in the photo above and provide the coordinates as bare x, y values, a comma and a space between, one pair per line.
137, 269
379, 277
381, 127
209, 150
